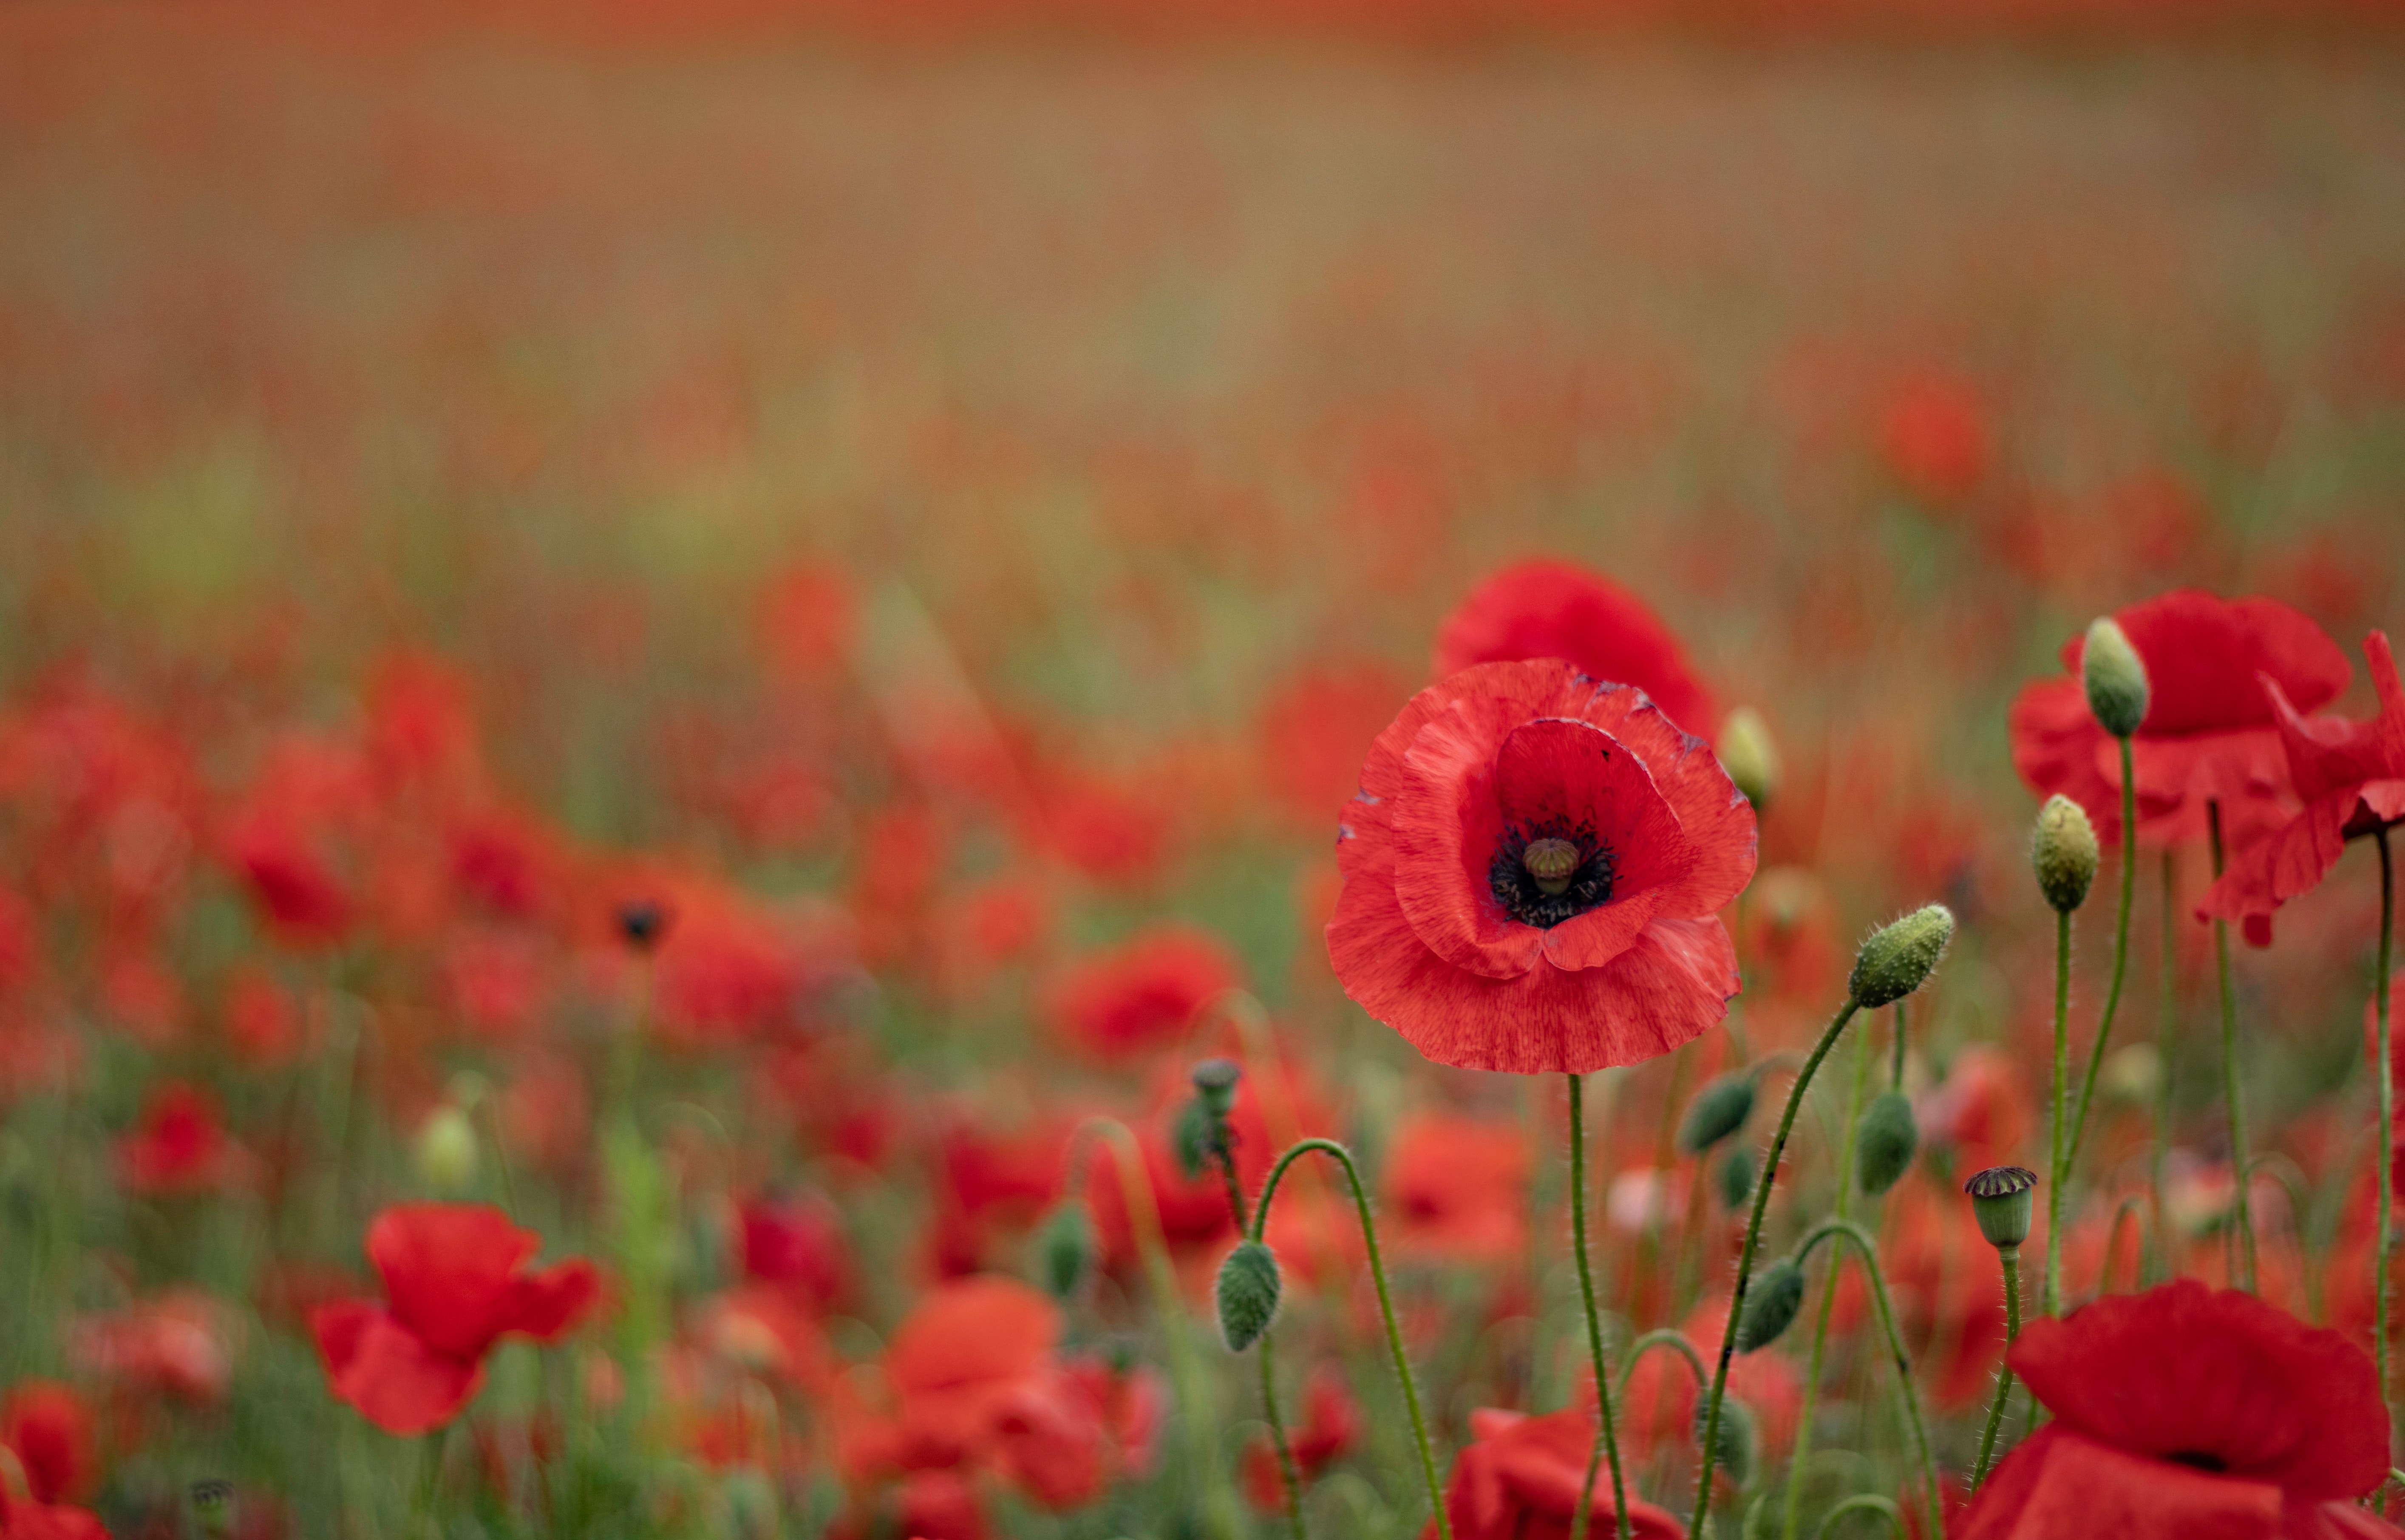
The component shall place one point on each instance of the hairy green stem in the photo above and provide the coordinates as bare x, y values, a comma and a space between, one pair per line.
1607, 1441
1793, 1516
1869, 1502
1867, 1250
1344, 1158
2242, 1207
2050, 1281
1900, 1037
2011, 1258
1289, 1477
1662, 1336
2120, 952
2379, 993
2166, 1032
1712, 1430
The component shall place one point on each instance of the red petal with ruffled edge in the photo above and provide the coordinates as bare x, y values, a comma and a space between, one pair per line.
552, 1303
1552, 609
2061, 1485
392, 1376
448, 1269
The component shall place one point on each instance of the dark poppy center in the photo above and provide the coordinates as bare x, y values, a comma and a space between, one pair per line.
2198, 1460
1542, 876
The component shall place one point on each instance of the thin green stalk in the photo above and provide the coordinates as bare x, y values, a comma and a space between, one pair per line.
1793, 1522
1897, 1081
1344, 1158
1867, 1250
1289, 1476
2242, 1209
2050, 1282
1712, 1430
2166, 1031
2380, 992
2120, 952
2011, 1257
1869, 1502
1607, 1441
1663, 1336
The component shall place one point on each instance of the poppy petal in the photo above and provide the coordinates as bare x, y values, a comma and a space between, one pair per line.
389, 1374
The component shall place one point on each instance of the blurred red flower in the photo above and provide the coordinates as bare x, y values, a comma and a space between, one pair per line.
180, 1343
1459, 1189
795, 1244
180, 1145
1520, 1477
2186, 1411
1143, 993
1933, 437
27, 1520
2351, 776
2210, 733
48, 1427
1532, 872
455, 1282
1553, 609
1331, 1426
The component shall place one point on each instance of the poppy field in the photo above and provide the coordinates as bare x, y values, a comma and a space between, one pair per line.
970, 773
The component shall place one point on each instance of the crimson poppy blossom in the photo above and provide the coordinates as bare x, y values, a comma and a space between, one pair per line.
1532, 871
1331, 1426
180, 1145
1143, 993
1553, 609
2183, 1412
1520, 1479
2351, 776
49, 1430
23, 1518
455, 1281
2210, 735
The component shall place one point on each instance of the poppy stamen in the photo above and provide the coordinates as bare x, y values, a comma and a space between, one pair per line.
2198, 1460
1543, 877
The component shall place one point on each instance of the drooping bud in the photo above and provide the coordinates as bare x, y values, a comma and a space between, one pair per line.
1749, 756
2002, 1197
1736, 1440
1736, 1176
1770, 1305
1065, 1247
1215, 1083
2063, 853
1247, 1295
1899, 957
444, 1151
1717, 1110
1552, 863
2115, 678
1885, 1142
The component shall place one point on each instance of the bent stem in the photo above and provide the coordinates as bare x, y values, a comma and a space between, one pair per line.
1868, 1251
2121, 960
2241, 1210
1344, 1158
1794, 1500
1711, 1430
2166, 1026
1869, 1502
2379, 993
2050, 1297
1663, 1336
2011, 1257
1607, 1441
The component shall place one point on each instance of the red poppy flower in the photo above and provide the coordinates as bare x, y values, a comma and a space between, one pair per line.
1531, 874
27, 1520
2210, 734
1933, 437
1460, 1188
795, 1244
2185, 1412
2351, 776
455, 1282
1520, 1481
180, 1343
180, 1147
46, 1426
1331, 1426
1553, 609
1143, 993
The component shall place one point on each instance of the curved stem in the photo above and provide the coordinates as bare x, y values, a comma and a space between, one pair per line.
1289, 1476
1793, 1516
2113, 1241
2166, 1029
2379, 993
1868, 1250
1344, 1158
2050, 1282
2011, 1257
1711, 1429
1869, 1502
1607, 1441
2242, 1211
2120, 951
1663, 1336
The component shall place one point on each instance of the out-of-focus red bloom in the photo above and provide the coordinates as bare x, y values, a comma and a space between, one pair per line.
970, 1362
990, 1185
2183, 1412
1331, 1426
1460, 1188
1106, 828
758, 1330
1659, 1409
1145, 992
806, 620
27, 1520
2209, 735
795, 1244
1553, 609
731, 969
1981, 1108
179, 1146
180, 1344
1520, 1477
455, 1281
2351, 776
1314, 731
1933, 437
262, 1025
1446, 930
289, 838
49, 1430
497, 981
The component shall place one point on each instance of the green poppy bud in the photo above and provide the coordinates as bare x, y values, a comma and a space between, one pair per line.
1770, 1305
1736, 1176
1065, 1247
1215, 1084
1736, 1441
1749, 756
2115, 678
2002, 1197
1885, 1142
2063, 852
1717, 1110
213, 1508
1247, 1293
1899, 957
1193, 1139
444, 1151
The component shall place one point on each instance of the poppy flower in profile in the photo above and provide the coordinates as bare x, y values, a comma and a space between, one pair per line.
48, 1427
1143, 993
2183, 1412
2210, 734
1520, 1479
1553, 609
2351, 776
455, 1281
1532, 874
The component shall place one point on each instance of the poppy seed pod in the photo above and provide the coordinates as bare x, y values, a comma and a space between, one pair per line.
1885, 1142
1899, 957
2063, 853
1247, 1295
1749, 756
1736, 1440
2115, 678
444, 1151
1716, 1111
1215, 1083
1065, 1247
1770, 1306
1736, 1176
2002, 1197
